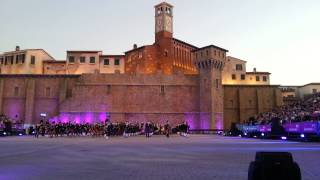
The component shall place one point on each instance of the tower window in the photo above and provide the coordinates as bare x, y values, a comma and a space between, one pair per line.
234, 77
166, 53
243, 77
257, 78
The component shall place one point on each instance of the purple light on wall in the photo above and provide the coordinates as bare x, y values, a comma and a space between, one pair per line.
64, 117
102, 116
191, 120
219, 121
54, 120
204, 120
88, 117
77, 119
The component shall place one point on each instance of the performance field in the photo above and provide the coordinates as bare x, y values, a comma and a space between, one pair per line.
197, 157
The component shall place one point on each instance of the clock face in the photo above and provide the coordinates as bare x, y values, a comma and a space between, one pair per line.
168, 25
159, 25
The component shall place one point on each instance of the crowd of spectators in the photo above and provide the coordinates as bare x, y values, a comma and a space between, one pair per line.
304, 110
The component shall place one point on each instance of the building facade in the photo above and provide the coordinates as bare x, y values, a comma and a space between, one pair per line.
28, 61
235, 73
168, 80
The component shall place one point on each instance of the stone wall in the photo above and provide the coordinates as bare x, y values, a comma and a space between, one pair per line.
244, 101
124, 97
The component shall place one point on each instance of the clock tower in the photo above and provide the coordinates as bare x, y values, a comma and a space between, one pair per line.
163, 21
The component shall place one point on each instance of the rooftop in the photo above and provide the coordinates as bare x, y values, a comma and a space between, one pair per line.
211, 46
258, 73
83, 51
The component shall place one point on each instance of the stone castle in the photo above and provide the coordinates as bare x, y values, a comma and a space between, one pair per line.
168, 80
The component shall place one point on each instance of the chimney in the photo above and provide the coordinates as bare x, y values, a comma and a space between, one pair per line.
135, 46
17, 48
254, 69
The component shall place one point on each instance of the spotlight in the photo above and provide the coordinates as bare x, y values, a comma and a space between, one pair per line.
20, 134
4, 133
302, 135
240, 135
262, 134
245, 134
255, 136
283, 137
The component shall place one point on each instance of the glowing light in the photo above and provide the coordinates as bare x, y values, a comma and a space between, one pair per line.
255, 136
4, 133
283, 138
245, 134
20, 134
262, 134
302, 135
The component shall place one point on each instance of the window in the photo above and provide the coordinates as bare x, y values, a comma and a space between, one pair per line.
166, 53
257, 78
162, 89
33, 60
48, 91
264, 78
23, 57
207, 52
71, 59
92, 60
314, 91
82, 59
1, 60
239, 67
217, 83
234, 77
106, 62
243, 77
117, 62
11, 58
17, 59
16, 91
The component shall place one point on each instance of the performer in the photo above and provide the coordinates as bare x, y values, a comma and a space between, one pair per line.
147, 130
167, 129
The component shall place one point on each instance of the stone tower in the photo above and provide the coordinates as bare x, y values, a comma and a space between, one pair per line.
163, 37
163, 21
210, 61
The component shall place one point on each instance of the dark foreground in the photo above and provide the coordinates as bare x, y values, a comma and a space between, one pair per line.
197, 157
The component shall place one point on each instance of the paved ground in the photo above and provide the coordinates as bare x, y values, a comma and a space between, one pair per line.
197, 157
